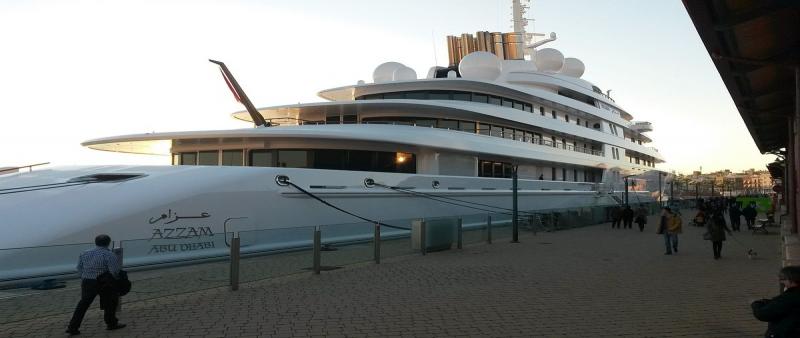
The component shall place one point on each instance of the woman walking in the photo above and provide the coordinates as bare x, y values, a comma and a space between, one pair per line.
716, 233
641, 217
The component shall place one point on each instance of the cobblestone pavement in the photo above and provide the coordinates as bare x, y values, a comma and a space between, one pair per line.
587, 282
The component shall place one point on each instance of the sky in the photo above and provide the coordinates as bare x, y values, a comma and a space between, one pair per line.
79, 70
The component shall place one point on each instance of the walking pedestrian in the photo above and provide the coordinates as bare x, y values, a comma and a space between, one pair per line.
750, 214
716, 233
97, 268
782, 312
671, 226
616, 217
735, 215
700, 218
627, 217
641, 217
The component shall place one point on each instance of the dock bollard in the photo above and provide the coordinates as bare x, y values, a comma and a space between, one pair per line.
377, 243
489, 229
460, 232
317, 250
423, 240
235, 258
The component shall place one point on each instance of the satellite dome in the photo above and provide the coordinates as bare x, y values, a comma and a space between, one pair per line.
549, 60
573, 67
385, 71
480, 66
404, 74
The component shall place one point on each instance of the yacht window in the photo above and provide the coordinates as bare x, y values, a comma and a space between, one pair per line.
508, 103
554, 144
541, 110
537, 138
586, 124
448, 124
485, 169
439, 95
467, 126
566, 118
497, 169
208, 158
394, 96
563, 174
578, 122
480, 98
495, 100
373, 97
332, 118
528, 108
508, 133
425, 122
233, 157
293, 159
518, 105
563, 143
484, 129
461, 96
553, 174
261, 158
417, 95
189, 158
554, 114
329, 158
508, 170
519, 135
526, 137
496, 131
350, 118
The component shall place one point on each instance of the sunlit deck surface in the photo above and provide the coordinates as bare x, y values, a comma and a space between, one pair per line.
586, 282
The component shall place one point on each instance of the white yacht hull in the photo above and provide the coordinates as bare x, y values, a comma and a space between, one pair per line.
175, 213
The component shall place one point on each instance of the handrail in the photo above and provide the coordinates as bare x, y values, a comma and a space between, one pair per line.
30, 167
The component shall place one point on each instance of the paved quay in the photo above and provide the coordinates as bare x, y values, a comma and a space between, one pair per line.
586, 282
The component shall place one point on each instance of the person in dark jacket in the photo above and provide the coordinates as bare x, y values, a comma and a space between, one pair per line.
782, 312
735, 214
716, 230
616, 217
627, 217
641, 217
749, 214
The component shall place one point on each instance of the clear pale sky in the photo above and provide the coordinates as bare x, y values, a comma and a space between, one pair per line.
78, 70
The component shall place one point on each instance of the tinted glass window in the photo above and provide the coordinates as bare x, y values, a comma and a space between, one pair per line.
425, 123
484, 129
261, 158
389, 96
448, 124
417, 95
497, 168
360, 160
189, 158
518, 105
541, 110
508, 170
208, 158
332, 118
496, 131
508, 103
508, 133
467, 126
495, 100
373, 97
439, 95
233, 157
329, 158
480, 98
462, 96
349, 118
485, 169
528, 108
518, 135
293, 159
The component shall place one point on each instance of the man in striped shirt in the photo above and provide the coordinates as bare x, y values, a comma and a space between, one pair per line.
92, 264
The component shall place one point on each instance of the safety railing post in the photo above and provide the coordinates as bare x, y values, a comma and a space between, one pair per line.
423, 240
235, 259
460, 228
489, 229
317, 250
377, 243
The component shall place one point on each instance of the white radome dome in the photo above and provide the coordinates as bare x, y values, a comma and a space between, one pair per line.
549, 60
404, 74
385, 71
573, 67
480, 66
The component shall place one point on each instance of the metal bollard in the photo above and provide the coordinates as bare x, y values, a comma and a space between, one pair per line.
235, 259
377, 243
423, 241
489, 229
317, 250
460, 232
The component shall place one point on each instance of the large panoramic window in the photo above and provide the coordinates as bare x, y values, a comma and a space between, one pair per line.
208, 157
233, 157
336, 159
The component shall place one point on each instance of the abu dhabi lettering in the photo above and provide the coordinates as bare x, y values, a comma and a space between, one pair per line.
171, 248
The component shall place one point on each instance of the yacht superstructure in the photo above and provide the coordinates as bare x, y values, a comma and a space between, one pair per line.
501, 103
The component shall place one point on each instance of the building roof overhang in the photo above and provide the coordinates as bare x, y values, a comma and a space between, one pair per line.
755, 45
